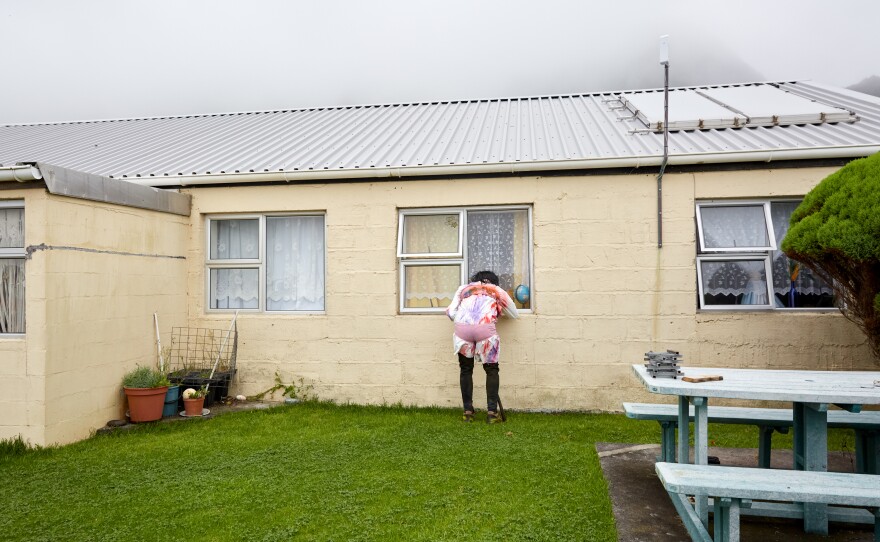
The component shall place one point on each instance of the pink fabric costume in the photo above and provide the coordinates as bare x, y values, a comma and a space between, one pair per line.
474, 309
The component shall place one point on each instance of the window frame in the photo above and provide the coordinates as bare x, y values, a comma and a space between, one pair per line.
259, 263
768, 225
749, 257
406, 260
744, 253
16, 253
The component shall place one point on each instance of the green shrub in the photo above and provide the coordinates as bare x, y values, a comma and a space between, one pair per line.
144, 377
836, 232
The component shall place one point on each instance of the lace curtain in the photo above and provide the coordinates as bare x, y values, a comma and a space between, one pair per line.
746, 278
295, 263
235, 239
498, 241
430, 285
11, 295
732, 226
783, 268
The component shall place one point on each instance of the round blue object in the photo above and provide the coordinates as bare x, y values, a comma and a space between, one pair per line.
522, 294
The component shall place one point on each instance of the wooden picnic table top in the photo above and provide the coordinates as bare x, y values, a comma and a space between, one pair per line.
838, 387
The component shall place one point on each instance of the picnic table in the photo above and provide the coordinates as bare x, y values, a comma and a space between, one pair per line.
810, 392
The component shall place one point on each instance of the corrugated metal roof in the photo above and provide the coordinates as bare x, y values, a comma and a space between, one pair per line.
509, 134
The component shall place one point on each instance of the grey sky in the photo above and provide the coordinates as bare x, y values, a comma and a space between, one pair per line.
98, 59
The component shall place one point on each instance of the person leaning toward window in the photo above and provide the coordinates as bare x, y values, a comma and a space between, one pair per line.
474, 309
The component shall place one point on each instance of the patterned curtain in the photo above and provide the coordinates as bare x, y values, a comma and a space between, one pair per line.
235, 239
784, 268
744, 279
295, 263
498, 241
11, 295
235, 288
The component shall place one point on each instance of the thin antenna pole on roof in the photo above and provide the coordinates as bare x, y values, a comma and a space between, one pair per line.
664, 60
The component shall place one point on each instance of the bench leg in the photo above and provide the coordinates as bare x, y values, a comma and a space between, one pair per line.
726, 519
867, 451
701, 449
765, 443
667, 441
876, 524
811, 454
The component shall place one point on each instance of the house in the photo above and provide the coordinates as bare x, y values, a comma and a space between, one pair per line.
339, 234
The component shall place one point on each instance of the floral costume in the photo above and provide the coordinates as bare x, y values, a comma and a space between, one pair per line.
474, 309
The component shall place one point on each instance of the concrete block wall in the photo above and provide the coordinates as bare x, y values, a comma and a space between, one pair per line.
109, 268
603, 293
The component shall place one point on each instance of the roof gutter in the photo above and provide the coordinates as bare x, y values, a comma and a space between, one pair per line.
20, 173
509, 167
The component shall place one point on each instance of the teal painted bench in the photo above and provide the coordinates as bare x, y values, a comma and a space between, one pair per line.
734, 488
768, 420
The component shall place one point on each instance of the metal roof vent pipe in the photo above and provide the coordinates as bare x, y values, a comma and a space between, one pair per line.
664, 61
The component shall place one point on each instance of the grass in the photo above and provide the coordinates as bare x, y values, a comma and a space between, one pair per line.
318, 471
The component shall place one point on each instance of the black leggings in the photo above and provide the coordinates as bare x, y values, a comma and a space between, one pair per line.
466, 379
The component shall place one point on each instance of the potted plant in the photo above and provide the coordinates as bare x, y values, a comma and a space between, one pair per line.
194, 400
145, 389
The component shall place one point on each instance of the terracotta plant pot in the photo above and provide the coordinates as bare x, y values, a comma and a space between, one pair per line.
145, 404
193, 407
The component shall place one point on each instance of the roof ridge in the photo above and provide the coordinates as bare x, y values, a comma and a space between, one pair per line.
390, 104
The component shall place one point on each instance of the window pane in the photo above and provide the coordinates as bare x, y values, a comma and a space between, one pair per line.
794, 284
741, 282
11, 295
235, 288
430, 234
430, 285
235, 239
295, 263
498, 241
732, 226
11, 228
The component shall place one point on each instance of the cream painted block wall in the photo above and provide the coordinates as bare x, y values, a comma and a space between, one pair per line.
22, 357
603, 293
107, 270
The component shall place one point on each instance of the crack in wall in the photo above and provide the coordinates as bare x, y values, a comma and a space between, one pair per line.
43, 246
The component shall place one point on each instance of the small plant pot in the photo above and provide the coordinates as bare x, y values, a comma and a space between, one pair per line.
145, 404
193, 407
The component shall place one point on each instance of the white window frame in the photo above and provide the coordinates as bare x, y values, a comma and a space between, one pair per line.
768, 225
407, 260
749, 257
257, 263
744, 253
430, 212
15, 253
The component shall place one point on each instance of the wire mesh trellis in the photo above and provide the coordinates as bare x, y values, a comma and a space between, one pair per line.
203, 357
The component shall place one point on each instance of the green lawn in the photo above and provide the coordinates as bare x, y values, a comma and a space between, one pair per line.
318, 471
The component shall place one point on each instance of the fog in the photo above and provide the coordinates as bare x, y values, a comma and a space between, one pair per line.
101, 59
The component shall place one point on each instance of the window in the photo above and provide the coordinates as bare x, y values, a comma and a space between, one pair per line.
269, 263
740, 266
440, 248
12, 256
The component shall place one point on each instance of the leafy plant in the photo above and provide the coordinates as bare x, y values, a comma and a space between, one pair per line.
836, 232
144, 377
294, 390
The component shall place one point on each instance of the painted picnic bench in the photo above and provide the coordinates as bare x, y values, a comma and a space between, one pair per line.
768, 420
810, 394
734, 488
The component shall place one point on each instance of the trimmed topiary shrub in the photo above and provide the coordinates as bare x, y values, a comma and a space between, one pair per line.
836, 232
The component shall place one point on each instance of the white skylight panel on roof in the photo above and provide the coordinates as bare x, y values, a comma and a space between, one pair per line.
768, 105
687, 111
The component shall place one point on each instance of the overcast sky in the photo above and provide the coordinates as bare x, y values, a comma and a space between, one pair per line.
98, 59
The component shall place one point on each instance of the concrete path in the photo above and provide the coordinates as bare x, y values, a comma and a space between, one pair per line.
644, 513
